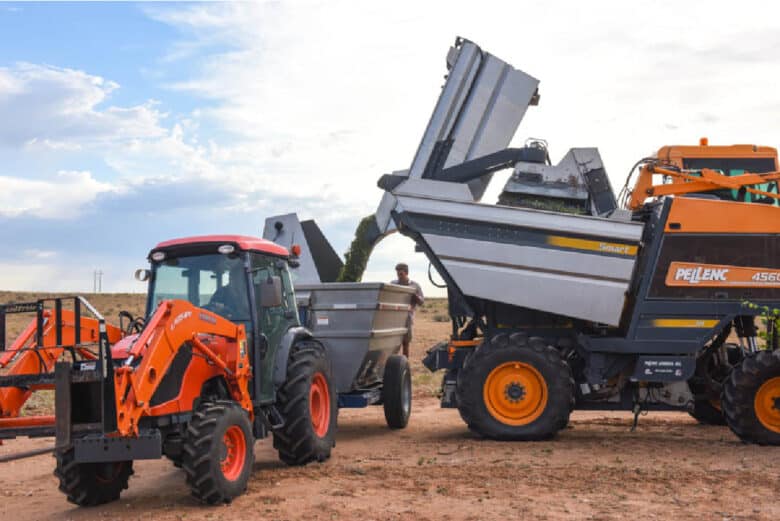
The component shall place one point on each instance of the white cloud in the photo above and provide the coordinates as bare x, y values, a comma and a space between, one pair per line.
39, 254
64, 109
57, 198
323, 97
306, 104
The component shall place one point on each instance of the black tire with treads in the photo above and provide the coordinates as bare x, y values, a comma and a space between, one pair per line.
503, 348
739, 393
203, 451
91, 484
297, 442
397, 392
713, 367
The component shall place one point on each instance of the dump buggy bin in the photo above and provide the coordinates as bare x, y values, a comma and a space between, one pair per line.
362, 325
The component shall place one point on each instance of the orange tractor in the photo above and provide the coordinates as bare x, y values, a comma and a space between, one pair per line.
219, 361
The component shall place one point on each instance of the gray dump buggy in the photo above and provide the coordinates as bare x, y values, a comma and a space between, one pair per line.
361, 324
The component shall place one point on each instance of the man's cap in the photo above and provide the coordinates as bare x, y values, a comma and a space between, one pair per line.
402, 267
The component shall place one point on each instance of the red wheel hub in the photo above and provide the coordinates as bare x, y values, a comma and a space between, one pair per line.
319, 404
233, 454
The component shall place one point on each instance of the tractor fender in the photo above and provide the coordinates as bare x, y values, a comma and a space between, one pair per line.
283, 352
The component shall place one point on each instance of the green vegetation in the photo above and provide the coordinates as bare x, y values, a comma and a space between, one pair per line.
770, 317
356, 258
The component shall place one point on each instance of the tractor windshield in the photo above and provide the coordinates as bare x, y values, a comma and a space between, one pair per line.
215, 282
738, 166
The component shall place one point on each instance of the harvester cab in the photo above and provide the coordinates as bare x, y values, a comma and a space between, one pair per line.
219, 360
707, 170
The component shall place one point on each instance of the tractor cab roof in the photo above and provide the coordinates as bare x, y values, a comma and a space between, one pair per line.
204, 242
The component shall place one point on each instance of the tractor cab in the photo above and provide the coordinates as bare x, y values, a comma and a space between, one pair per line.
243, 279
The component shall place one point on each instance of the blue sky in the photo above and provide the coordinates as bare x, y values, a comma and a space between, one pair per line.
125, 124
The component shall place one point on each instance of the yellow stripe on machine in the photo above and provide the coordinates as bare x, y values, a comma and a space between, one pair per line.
685, 322
586, 244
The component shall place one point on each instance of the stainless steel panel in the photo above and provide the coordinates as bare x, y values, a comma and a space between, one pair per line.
360, 324
578, 297
537, 219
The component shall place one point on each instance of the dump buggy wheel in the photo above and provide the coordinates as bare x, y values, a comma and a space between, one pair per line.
751, 399
308, 405
90, 484
513, 388
397, 392
218, 451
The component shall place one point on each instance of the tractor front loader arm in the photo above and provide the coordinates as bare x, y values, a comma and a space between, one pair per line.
174, 324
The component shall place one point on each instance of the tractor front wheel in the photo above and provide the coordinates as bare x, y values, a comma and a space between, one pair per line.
751, 399
515, 388
91, 484
307, 401
218, 452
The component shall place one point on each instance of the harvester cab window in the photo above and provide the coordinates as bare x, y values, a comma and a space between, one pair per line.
738, 166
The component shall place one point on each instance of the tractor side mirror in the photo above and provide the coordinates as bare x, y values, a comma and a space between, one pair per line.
142, 275
271, 292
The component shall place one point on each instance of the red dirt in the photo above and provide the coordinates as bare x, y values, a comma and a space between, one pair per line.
670, 468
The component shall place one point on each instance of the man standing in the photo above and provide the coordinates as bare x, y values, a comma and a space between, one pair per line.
402, 272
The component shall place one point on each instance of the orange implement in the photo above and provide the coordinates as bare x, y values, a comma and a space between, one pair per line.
26, 357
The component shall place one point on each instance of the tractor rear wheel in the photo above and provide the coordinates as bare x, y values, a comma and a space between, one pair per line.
218, 451
307, 401
751, 399
397, 392
91, 484
515, 388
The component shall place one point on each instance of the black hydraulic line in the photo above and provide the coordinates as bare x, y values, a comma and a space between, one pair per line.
26, 454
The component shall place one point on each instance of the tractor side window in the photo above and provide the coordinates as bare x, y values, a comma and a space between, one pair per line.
273, 322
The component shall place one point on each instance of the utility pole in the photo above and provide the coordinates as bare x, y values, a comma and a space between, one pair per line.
97, 281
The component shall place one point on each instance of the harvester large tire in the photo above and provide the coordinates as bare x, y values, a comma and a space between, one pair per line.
307, 402
397, 392
712, 371
218, 452
91, 484
751, 399
706, 413
515, 388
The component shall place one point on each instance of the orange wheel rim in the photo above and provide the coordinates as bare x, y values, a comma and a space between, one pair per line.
515, 393
767, 404
319, 404
234, 451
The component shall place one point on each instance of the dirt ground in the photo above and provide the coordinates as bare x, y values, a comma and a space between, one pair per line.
670, 468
